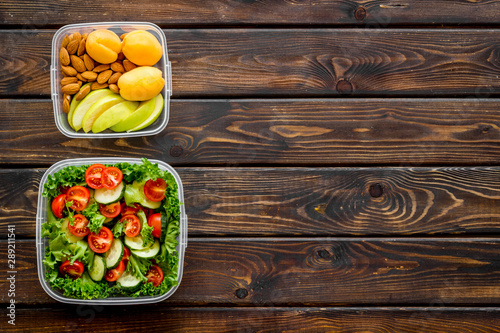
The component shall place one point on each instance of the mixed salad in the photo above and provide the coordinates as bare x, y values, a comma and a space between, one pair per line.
112, 230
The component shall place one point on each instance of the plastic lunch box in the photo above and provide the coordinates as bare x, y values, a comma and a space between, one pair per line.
41, 244
119, 28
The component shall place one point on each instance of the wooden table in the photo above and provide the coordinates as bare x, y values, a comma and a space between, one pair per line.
340, 162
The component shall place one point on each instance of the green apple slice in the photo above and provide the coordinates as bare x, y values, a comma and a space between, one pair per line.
154, 115
143, 111
114, 115
85, 104
97, 109
73, 105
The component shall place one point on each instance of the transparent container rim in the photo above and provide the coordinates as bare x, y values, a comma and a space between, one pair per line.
167, 89
40, 245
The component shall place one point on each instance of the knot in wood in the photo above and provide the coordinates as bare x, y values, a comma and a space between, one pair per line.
241, 293
376, 190
360, 13
176, 151
344, 87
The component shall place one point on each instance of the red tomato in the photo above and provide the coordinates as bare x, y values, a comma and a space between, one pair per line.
111, 210
128, 210
155, 222
74, 270
93, 176
58, 205
126, 255
80, 196
79, 227
111, 177
101, 242
133, 225
155, 189
155, 275
115, 273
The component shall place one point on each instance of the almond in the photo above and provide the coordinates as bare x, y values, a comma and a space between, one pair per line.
73, 46
97, 85
123, 35
85, 35
68, 70
81, 48
104, 76
80, 77
117, 67
121, 56
89, 62
77, 36
64, 57
128, 65
70, 89
114, 88
82, 93
101, 68
65, 41
78, 64
68, 79
66, 103
114, 78
89, 75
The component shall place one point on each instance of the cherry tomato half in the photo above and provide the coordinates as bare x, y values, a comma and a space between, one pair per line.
155, 189
133, 225
111, 210
80, 196
126, 255
100, 242
155, 275
58, 205
155, 222
111, 177
93, 176
74, 270
115, 273
128, 210
79, 228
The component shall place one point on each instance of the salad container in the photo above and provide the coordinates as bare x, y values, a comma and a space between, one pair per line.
41, 244
119, 28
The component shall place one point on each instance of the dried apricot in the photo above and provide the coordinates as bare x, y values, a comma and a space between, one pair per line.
141, 83
142, 48
103, 46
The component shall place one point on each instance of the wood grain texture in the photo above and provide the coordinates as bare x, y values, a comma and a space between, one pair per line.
219, 320
34, 14
316, 272
308, 202
294, 62
325, 132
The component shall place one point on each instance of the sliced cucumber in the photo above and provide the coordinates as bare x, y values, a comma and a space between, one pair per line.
135, 193
150, 252
114, 254
135, 243
164, 226
106, 197
98, 269
128, 281
71, 238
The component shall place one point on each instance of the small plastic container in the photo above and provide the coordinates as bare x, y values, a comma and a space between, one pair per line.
41, 244
119, 28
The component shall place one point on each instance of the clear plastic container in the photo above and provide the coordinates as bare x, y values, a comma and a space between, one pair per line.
41, 244
119, 28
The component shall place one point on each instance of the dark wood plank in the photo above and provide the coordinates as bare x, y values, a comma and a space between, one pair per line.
168, 319
316, 272
231, 12
309, 202
326, 132
294, 62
